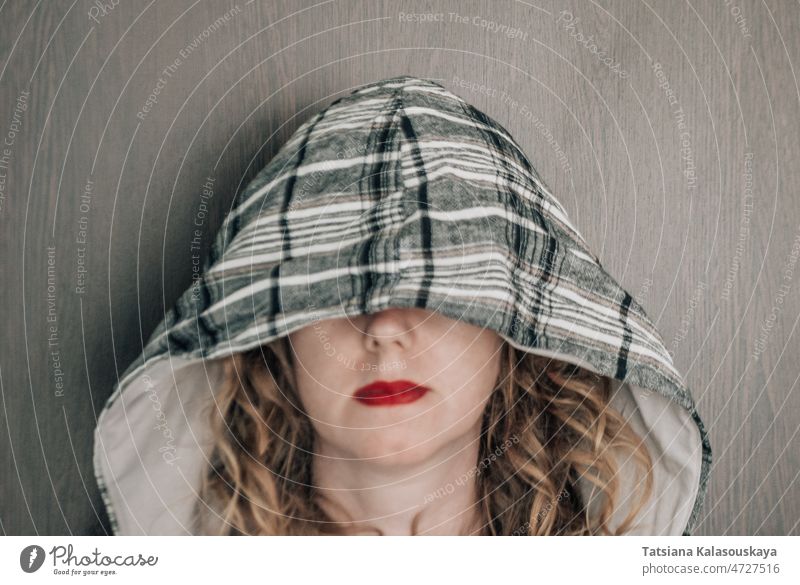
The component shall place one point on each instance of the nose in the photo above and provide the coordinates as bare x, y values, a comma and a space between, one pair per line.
390, 329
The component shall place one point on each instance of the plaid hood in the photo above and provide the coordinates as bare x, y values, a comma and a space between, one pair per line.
400, 194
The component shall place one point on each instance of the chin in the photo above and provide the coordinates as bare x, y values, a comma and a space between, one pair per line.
391, 450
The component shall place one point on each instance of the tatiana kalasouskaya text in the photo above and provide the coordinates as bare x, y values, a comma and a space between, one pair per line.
708, 551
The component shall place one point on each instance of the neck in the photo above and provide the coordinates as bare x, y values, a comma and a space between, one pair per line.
442, 490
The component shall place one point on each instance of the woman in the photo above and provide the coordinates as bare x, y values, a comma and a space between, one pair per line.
398, 331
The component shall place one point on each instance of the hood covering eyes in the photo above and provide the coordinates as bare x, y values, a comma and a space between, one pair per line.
400, 194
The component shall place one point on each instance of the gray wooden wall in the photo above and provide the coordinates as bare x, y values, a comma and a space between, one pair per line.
673, 145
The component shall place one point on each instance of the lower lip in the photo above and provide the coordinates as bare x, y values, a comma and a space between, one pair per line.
383, 399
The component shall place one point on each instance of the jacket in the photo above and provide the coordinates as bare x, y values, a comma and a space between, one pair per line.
398, 194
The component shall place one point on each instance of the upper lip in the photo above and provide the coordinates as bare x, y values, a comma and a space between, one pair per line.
384, 387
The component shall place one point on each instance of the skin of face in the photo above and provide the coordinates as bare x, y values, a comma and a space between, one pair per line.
458, 361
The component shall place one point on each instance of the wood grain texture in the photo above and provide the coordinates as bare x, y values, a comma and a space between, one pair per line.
651, 151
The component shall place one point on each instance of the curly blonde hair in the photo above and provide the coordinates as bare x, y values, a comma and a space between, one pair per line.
552, 419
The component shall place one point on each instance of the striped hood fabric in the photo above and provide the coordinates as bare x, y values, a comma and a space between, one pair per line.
400, 194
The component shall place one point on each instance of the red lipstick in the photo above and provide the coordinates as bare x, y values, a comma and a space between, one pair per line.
383, 393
